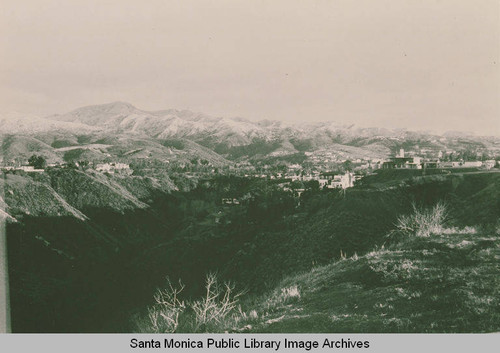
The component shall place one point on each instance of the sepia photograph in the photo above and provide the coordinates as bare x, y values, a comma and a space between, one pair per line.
247, 167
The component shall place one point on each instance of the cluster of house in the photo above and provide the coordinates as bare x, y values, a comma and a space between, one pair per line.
230, 201
113, 167
329, 180
24, 168
17, 165
404, 161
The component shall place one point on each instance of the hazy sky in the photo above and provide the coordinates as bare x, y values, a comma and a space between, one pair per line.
422, 64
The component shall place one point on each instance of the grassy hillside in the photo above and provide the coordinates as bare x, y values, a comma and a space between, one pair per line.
85, 190
443, 283
19, 147
428, 278
25, 196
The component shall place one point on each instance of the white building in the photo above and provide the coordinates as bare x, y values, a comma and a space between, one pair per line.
473, 164
490, 163
343, 181
113, 167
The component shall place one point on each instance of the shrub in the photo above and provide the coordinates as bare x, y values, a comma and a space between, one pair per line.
164, 314
283, 296
422, 222
214, 312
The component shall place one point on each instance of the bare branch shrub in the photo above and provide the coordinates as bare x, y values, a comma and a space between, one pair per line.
423, 222
218, 302
164, 314
215, 311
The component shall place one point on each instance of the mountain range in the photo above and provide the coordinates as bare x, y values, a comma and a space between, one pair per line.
123, 117
230, 138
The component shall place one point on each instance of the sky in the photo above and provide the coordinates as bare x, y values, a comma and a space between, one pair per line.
416, 64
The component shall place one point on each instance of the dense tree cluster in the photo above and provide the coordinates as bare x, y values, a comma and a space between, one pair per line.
38, 162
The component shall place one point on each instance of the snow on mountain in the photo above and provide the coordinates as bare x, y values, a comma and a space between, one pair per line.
123, 117
120, 117
18, 123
